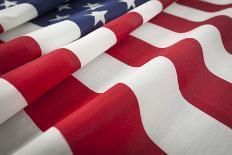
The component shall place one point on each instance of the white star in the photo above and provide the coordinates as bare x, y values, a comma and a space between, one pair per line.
63, 7
59, 18
7, 4
129, 3
98, 16
93, 6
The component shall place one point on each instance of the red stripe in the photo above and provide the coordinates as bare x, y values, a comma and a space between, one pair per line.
109, 124
197, 84
209, 7
59, 102
17, 52
173, 23
117, 127
130, 21
35, 78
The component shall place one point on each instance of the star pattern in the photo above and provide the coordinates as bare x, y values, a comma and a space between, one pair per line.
96, 12
58, 18
98, 16
64, 7
93, 6
8, 4
130, 3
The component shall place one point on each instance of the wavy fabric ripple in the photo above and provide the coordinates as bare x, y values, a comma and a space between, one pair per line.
156, 80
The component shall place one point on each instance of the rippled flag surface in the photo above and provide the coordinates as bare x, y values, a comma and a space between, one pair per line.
148, 82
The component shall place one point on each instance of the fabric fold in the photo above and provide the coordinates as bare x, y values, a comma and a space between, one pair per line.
45, 69
62, 27
164, 87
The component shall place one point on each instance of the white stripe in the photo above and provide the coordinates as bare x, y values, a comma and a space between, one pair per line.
103, 73
17, 15
216, 58
16, 132
56, 35
93, 44
11, 100
51, 142
170, 121
219, 2
195, 14
149, 9
19, 31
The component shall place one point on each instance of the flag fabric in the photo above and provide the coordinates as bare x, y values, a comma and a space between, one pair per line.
70, 57
147, 82
61, 27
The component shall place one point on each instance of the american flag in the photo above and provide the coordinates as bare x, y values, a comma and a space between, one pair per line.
116, 77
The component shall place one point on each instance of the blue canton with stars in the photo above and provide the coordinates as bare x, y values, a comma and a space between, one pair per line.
87, 14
